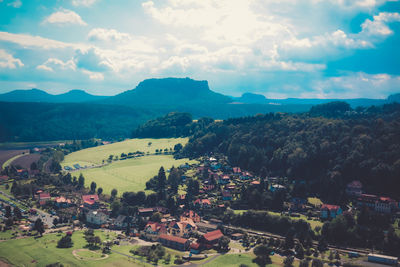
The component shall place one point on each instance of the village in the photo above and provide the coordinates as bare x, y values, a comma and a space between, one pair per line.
194, 224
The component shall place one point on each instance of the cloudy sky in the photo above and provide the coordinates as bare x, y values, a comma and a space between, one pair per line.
279, 48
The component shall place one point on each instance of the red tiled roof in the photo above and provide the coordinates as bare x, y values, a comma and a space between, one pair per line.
330, 207
236, 170
44, 196
202, 201
255, 182
62, 200
90, 199
214, 235
173, 238
3, 177
146, 210
195, 245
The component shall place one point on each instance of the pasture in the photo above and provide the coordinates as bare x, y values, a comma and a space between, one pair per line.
129, 174
25, 161
96, 155
124, 175
6, 155
43, 251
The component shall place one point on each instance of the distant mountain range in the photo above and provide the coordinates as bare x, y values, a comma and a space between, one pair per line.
36, 95
34, 115
180, 94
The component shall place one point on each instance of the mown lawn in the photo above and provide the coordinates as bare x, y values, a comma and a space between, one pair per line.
43, 251
96, 155
237, 259
129, 174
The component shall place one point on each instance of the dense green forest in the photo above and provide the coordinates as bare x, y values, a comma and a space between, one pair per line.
327, 147
50, 121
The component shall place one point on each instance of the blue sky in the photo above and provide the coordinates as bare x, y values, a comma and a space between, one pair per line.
278, 48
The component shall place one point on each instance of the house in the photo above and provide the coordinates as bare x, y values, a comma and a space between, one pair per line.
330, 211
237, 236
385, 205
174, 242
224, 179
354, 188
43, 198
90, 201
255, 183
226, 195
191, 215
245, 176
121, 222
236, 170
22, 173
366, 200
96, 218
62, 202
277, 188
145, 212
182, 228
195, 248
202, 203
206, 227
3, 178
153, 229
210, 239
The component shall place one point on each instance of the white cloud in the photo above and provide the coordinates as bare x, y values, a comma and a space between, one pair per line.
85, 3
15, 4
64, 17
97, 76
29, 41
8, 61
55, 63
378, 25
100, 34
356, 85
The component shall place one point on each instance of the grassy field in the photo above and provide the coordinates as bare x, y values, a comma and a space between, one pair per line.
43, 251
124, 175
130, 174
96, 155
231, 260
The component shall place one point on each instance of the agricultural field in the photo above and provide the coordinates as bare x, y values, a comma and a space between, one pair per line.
25, 161
43, 251
96, 155
129, 174
124, 175
6, 155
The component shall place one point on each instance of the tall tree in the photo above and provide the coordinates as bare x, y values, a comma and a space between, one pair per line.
81, 181
39, 226
93, 186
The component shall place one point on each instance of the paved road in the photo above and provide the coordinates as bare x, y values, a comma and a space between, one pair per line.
46, 217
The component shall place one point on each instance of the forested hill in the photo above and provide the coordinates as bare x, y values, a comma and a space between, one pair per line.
326, 152
67, 121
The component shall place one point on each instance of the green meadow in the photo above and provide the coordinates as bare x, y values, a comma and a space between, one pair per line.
129, 174
43, 251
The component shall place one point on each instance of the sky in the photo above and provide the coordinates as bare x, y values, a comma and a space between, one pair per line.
278, 48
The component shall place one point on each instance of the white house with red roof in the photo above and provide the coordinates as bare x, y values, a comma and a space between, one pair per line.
202, 203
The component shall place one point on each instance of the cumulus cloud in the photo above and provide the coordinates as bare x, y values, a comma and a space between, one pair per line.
356, 85
8, 61
101, 34
379, 24
55, 63
91, 60
85, 3
97, 76
64, 17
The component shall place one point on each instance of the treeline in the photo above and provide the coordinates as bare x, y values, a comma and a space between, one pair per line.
174, 124
326, 153
69, 121
367, 229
